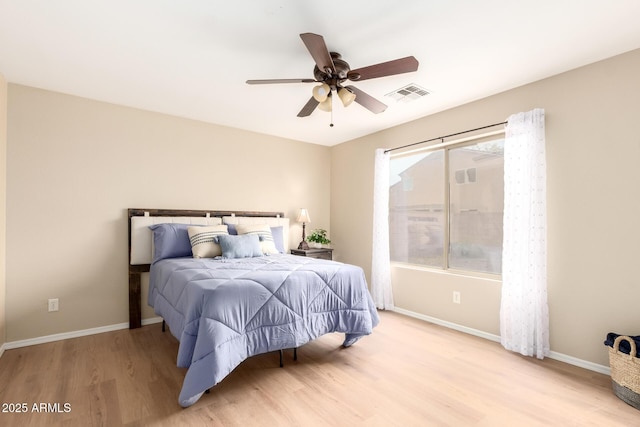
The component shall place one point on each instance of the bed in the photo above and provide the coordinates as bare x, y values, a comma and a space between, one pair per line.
239, 293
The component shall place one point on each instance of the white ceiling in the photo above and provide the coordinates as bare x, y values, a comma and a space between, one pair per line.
191, 58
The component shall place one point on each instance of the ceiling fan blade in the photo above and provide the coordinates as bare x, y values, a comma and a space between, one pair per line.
308, 107
273, 81
390, 68
367, 101
318, 49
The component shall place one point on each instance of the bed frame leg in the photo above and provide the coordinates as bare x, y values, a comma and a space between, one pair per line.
163, 329
295, 356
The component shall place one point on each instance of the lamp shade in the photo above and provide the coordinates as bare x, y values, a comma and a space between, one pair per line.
326, 105
346, 96
303, 216
321, 92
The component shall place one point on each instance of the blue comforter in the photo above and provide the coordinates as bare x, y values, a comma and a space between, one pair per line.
225, 310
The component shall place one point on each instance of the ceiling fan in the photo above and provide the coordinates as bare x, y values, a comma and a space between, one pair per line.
331, 71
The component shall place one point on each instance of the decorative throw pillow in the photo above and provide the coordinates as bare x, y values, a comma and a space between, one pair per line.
170, 241
240, 246
232, 229
263, 231
204, 240
278, 237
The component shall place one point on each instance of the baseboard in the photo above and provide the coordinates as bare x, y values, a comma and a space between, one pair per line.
450, 325
151, 320
73, 334
580, 363
552, 355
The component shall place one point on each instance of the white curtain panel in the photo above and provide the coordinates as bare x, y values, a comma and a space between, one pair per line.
380, 260
524, 313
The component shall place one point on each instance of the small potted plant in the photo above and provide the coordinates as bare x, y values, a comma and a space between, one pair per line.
318, 238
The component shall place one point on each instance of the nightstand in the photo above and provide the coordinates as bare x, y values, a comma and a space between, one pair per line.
322, 253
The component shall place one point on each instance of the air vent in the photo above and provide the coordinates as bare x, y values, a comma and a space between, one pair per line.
408, 93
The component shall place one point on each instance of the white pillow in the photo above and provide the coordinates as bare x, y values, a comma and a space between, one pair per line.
263, 231
203, 240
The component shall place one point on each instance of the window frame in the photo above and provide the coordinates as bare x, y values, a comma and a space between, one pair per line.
446, 147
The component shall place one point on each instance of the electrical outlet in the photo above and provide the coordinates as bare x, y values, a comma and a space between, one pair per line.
456, 297
53, 304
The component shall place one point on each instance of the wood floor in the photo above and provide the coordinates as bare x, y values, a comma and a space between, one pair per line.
407, 373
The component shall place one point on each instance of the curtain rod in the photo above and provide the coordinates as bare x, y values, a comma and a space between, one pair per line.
446, 136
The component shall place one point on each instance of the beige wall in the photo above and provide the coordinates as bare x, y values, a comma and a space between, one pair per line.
75, 165
593, 155
3, 205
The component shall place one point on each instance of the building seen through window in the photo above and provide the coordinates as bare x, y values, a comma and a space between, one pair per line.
446, 207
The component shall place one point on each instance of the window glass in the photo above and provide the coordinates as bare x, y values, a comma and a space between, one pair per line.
476, 197
420, 221
416, 209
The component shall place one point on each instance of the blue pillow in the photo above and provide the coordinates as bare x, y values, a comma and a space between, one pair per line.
170, 241
278, 238
276, 232
240, 246
232, 229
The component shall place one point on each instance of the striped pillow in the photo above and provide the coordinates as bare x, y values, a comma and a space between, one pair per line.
204, 242
263, 231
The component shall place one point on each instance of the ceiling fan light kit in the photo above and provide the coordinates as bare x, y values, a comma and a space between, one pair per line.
321, 92
346, 96
326, 104
331, 71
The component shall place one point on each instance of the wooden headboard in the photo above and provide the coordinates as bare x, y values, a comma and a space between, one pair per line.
136, 269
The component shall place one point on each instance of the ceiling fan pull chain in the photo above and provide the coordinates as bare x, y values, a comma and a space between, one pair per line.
331, 124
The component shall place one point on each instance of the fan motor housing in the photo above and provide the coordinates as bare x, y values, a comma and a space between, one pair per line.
340, 74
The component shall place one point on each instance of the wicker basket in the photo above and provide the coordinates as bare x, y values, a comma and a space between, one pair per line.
625, 372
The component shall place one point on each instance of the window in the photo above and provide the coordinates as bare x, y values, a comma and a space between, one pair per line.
446, 206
